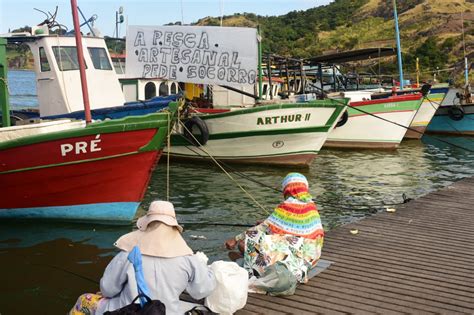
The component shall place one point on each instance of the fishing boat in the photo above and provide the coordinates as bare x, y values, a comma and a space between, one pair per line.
57, 79
275, 134
455, 116
427, 110
68, 170
77, 170
379, 123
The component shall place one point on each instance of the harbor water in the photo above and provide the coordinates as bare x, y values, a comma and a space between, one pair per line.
48, 264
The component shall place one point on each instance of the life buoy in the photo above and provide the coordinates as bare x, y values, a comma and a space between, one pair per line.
456, 113
342, 121
192, 125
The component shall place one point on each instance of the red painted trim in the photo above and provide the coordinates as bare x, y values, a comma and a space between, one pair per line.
47, 153
211, 110
120, 179
392, 99
393, 111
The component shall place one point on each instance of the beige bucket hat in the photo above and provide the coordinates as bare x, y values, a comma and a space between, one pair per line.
160, 240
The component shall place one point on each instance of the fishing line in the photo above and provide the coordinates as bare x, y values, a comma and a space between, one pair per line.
345, 206
218, 224
225, 172
68, 271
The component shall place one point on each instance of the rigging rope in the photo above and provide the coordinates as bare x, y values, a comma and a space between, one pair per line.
168, 159
345, 206
222, 168
408, 128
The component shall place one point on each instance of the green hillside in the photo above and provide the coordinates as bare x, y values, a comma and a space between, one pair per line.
430, 30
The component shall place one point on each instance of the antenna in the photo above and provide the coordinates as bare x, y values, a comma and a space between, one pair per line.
182, 13
222, 10
466, 70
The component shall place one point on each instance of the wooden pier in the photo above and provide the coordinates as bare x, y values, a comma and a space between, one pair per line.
419, 260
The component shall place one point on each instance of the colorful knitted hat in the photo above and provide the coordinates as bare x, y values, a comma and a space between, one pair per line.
298, 214
296, 185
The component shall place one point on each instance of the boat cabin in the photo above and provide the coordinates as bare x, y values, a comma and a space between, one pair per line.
57, 73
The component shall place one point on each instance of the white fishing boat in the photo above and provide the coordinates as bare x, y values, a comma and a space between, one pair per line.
274, 134
380, 123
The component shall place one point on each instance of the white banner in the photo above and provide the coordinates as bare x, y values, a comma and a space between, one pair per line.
195, 54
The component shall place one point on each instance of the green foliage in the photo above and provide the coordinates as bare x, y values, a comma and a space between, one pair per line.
116, 46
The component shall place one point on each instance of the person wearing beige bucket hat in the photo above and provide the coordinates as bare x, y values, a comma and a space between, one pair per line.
169, 265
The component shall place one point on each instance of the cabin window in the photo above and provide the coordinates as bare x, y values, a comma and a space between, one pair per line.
44, 63
99, 58
150, 90
164, 89
66, 57
174, 89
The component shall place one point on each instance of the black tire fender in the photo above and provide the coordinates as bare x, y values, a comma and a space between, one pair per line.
191, 125
344, 118
456, 113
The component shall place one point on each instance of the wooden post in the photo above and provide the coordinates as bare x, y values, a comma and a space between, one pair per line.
417, 72
260, 70
3, 84
269, 72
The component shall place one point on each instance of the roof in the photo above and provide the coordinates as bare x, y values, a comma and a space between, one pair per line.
353, 55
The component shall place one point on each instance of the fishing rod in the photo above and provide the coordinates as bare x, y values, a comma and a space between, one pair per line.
218, 224
66, 271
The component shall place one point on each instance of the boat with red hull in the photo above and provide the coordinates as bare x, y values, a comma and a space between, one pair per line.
95, 172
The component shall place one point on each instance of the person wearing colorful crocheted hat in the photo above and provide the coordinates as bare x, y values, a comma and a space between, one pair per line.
292, 234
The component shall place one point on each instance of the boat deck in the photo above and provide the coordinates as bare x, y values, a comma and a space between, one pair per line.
419, 259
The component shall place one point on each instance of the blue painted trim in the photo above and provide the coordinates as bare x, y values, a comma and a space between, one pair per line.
442, 123
104, 213
399, 46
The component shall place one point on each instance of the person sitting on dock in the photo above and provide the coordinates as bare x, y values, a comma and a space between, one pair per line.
292, 234
169, 267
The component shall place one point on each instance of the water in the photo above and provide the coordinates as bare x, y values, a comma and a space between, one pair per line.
45, 263
22, 88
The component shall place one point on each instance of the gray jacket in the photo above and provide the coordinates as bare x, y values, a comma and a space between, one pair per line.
166, 278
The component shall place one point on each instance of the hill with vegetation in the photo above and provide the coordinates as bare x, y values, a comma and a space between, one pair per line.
430, 30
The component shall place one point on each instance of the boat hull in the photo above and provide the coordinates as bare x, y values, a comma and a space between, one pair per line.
284, 134
442, 123
426, 112
416, 132
369, 124
98, 173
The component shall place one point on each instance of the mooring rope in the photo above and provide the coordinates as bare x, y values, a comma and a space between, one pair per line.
223, 169
5, 82
345, 206
459, 133
168, 159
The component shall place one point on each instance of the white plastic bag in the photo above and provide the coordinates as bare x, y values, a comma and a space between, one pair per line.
231, 291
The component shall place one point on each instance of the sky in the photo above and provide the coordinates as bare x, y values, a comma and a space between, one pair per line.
18, 13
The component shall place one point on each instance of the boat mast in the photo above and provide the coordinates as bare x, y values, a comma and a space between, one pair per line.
466, 69
399, 48
80, 60
3, 84
260, 70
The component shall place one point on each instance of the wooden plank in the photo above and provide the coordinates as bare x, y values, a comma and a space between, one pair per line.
416, 260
